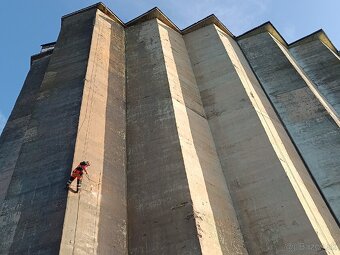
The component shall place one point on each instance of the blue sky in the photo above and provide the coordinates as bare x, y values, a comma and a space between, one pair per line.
28, 24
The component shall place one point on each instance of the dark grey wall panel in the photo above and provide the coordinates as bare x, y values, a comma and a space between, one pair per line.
323, 67
33, 211
14, 132
314, 132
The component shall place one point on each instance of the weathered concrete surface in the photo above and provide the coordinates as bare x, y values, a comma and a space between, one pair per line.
322, 66
112, 224
267, 180
177, 193
215, 217
313, 130
33, 211
95, 218
160, 212
14, 132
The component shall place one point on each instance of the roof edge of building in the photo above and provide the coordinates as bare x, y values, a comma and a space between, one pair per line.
154, 13
100, 6
211, 19
317, 35
48, 44
40, 55
265, 27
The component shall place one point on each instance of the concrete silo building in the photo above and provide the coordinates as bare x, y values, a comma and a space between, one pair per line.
201, 142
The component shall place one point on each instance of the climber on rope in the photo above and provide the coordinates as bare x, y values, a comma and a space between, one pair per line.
78, 173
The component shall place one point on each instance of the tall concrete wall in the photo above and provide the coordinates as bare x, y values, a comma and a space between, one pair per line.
322, 66
160, 210
178, 201
313, 130
189, 150
215, 217
33, 211
248, 135
97, 216
14, 132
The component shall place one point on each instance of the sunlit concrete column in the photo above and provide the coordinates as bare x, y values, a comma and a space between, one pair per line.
96, 218
216, 219
271, 190
178, 201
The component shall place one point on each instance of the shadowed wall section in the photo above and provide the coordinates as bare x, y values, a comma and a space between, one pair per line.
14, 132
313, 130
322, 66
33, 211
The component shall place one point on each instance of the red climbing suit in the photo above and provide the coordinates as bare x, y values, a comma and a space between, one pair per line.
78, 171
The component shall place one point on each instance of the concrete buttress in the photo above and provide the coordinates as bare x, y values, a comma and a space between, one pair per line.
311, 124
97, 216
200, 142
263, 171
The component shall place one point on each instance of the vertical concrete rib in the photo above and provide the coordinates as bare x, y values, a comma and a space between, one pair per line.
112, 223
322, 66
34, 207
160, 212
15, 131
95, 218
214, 214
263, 171
315, 133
